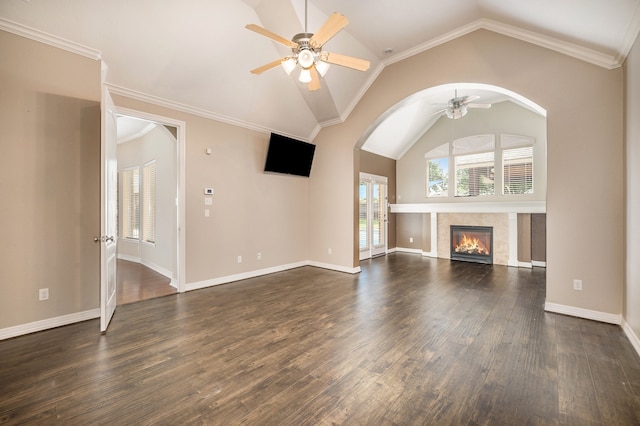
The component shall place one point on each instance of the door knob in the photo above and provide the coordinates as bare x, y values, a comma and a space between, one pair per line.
103, 239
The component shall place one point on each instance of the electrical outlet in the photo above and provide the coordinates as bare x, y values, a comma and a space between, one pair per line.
259, 256
410, 239
43, 294
577, 285
329, 251
239, 259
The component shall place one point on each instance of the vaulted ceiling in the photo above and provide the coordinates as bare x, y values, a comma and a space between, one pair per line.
196, 55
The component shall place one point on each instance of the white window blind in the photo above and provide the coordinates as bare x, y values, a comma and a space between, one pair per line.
363, 231
517, 166
131, 203
149, 202
474, 174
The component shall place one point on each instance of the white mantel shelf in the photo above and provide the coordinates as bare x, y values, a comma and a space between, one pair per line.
486, 207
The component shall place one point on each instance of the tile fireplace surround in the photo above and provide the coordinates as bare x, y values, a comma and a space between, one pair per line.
503, 217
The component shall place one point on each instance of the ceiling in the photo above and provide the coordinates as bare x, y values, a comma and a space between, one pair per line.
195, 55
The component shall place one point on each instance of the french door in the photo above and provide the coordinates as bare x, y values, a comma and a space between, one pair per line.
373, 215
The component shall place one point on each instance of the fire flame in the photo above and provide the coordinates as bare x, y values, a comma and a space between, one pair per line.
471, 245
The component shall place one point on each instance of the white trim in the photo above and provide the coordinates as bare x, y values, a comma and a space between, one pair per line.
409, 250
631, 335
266, 271
570, 49
583, 313
199, 112
434, 235
480, 207
32, 327
513, 240
527, 265
430, 254
335, 267
538, 264
50, 39
178, 282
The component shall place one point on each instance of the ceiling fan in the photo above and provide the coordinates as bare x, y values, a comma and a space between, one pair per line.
458, 106
306, 51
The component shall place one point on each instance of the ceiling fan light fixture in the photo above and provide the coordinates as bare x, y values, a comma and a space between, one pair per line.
456, 113
305, 58
322, 67
305, 76
288, 65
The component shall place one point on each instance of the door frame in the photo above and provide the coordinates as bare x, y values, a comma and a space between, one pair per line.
369, 252
180, 202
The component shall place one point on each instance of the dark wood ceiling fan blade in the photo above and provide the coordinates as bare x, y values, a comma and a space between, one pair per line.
275, 37
346, 61
268, 66
331, 27
314, 84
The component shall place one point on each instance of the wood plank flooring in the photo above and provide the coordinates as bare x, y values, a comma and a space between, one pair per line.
137, 282
408, 341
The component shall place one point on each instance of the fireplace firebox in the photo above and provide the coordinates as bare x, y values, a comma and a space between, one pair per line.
472, 243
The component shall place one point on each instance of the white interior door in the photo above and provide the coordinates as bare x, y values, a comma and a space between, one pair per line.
109, 212
373, 215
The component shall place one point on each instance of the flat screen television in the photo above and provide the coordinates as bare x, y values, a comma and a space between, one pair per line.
289, 156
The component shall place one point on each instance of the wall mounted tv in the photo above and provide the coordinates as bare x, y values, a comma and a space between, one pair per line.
289, 156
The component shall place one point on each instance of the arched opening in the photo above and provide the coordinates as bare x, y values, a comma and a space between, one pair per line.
486, 164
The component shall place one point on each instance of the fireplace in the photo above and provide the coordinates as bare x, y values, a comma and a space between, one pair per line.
472, 243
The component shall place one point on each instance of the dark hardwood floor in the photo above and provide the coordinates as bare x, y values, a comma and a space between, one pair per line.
408, 341
137, 282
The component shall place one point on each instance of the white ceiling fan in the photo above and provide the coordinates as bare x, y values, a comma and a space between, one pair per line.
458, 106
306, 51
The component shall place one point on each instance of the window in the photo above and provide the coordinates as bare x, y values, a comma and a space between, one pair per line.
438, 171
474, 174
438, 177
517, 166
131, 203
149, 202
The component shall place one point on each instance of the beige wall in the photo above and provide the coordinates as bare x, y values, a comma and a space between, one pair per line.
252, 212
632, 78
158, 145
566, 88
50, 180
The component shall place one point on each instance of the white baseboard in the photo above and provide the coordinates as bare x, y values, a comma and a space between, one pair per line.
583, 313
409, 250
391, 250
430, 254
632, 336
335, 267
32, 327
266, 271
159, 269
528, 265
538, 264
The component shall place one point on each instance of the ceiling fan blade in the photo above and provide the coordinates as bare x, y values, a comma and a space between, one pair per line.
440, 112
471, 98
331, 27
272, 36
314, 84
346, 61
268, 66
485, 106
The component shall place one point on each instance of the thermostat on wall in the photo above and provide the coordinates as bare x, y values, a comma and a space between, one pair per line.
208, 191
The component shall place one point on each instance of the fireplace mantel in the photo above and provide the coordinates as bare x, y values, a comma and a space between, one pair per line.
480, 207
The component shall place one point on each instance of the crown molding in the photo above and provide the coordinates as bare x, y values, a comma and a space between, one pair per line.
166, 103
569, 49
50, 39
630, 37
